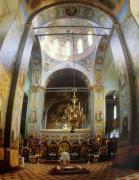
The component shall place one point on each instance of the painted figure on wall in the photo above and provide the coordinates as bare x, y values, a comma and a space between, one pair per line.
124, 134
99, 115
122, 77
98, 77
16, 125
33, 117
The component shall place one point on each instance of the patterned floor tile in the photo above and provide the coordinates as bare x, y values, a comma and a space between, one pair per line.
98, 171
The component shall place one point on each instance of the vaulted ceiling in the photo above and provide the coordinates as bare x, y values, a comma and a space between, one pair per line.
70, 22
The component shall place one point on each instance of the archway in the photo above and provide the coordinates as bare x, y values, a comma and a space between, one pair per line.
59, 93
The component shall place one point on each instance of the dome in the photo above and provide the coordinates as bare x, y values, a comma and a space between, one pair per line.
59, 42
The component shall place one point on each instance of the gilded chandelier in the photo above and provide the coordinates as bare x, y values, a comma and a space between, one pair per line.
74, 113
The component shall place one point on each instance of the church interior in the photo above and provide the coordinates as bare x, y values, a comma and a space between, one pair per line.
69, 89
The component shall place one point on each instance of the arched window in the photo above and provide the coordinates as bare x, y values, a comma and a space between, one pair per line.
80, 46
115, 112
68, 48
90, 38
56, 44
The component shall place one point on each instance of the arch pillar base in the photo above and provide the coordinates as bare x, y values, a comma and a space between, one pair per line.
11, 157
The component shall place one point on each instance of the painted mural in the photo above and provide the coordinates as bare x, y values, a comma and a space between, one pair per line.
124, 93
5, 80
124, 87
35, 110
19, 94
99, 110
99, 99
17, 110
114, 5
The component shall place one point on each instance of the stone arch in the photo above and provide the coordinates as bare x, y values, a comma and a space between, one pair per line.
73, 66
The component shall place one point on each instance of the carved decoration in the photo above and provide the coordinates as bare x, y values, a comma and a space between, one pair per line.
71, 11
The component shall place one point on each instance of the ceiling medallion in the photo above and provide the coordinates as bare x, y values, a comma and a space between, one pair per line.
71, 11
99, 60
103, 47
88, 13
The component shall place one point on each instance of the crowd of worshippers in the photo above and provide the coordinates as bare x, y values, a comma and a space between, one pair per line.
35, 148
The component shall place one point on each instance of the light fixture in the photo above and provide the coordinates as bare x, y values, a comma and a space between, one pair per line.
74, 114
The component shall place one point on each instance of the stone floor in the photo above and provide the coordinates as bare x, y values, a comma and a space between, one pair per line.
98, 171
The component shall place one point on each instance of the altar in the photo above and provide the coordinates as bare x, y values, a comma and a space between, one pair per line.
60, 134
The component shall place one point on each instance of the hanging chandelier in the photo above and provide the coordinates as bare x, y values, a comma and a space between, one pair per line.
74, 114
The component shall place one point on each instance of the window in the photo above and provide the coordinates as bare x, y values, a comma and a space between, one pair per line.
68, 49
80, 46
115, 112
90, 38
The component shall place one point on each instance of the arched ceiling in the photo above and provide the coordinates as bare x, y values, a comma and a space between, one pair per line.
70, 15
113, 6
65, 78
91, 20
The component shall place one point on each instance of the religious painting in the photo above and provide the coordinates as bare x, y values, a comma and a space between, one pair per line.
55, 115
98, 77
124, 133
122, 76
99, 114
33, 116
88, 13
99, 110
71, 11
16, 125
35, 110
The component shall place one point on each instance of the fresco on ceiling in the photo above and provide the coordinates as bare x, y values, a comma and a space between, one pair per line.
114, 5
71, 10
65, 11
5, 80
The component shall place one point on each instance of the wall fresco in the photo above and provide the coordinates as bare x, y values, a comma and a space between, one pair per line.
19, 94
124, 90
5, 80
99, 110
35, 110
